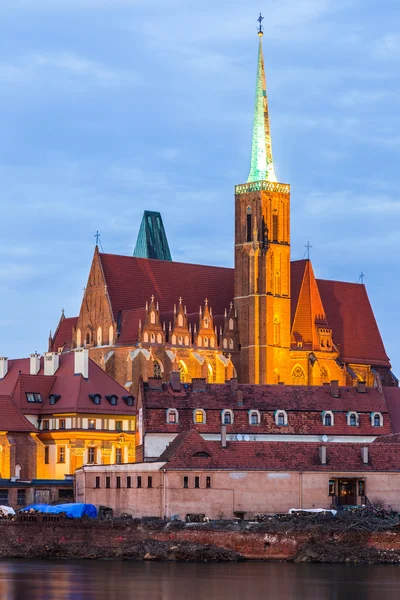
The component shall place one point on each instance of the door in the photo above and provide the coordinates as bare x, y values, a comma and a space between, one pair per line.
347, 492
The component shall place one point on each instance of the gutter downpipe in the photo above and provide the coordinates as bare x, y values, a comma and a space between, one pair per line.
164, 509
301, 489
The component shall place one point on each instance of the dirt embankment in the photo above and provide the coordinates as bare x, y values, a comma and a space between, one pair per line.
346, 539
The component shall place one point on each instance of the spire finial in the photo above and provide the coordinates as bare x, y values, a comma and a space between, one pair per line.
308, 248
260, 29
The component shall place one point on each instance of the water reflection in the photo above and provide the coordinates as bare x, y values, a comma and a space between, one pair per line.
109, 580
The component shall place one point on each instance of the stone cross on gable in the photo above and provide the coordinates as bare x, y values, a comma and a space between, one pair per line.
152, 298
206, 301
180, 299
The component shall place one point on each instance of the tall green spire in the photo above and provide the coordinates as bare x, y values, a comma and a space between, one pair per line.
262, 164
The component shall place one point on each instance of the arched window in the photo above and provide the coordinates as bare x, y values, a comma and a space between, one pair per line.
111, 335
173, 340
186, 340
227, 417
225, 343
281, 418
231, 343
249, 228
180, 340
157, 369
152, 317
99, 337
180, 320
172, 416
199, 416
277, 331
87, 338
206, 323
18, 470
199, 340
145, 337
298, 376
212, 342
352, 419
153, 338
328, 418
206, 342
254, 417
376, 419
183, 370
210, 373
78, 338
159, 338
231, 324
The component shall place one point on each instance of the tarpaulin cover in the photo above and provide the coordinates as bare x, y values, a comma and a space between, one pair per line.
6, 510
73, 511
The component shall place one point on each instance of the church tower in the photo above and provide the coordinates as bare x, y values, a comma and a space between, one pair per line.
262, 255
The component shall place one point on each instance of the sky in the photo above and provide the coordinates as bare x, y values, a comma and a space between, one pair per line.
111, 107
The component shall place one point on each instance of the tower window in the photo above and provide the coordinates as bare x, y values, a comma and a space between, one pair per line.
248, 232
275, 228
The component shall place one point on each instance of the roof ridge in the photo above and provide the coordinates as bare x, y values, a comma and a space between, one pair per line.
157, 260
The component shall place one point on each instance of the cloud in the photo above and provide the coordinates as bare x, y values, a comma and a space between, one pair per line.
36, 66
387, 47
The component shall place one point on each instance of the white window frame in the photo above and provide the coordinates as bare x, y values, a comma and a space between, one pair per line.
204, 416
169, 411
223, 413
330, 413
258, 415
349, 415
376, 414
285, 417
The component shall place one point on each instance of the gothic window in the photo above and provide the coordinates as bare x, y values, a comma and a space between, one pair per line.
225, 343
172, 416
180, 320
87, 339
210, 374
323, 372
248, 224
99, 337
111, 335
275, 227
152, 317
328, 418
145, 337
78, 338
157, 369
174, 339
206, 341
281, 418
231, 324
153, 338
277, 331
180, 340
231, 344
254, 417
227, 417
212, 342
159, 338
183, 370
199, 416
206, 323
298, 376
186, 340
199, 340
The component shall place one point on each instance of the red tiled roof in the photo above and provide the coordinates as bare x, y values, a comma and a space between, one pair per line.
73, 389
132, 281
63, 335
277, 456
352, 320
11, 418
304, 406
392, 396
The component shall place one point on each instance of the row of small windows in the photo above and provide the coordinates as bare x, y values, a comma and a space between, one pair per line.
91, 424
129, 481
280, 417
188, 482
99, 337
95, 398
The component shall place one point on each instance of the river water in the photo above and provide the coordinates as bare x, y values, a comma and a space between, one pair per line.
112, 580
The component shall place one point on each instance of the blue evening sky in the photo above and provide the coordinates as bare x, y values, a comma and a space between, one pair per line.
110, 107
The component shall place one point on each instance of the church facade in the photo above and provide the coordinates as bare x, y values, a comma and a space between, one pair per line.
267, 321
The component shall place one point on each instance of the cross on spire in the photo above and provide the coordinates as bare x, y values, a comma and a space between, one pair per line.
361, 277
308, 248
260, 20
152, 298
180, 299
97, 236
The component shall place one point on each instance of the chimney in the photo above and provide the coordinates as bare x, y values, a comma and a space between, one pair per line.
155, 383
364, 454
199, 384
322, 454
361, 387
234, 384
239, 397
223, 436
3, 367
335, 388
51, 362
81, 362
35, 364
175, 381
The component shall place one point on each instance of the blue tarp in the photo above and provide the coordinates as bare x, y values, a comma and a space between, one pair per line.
73, 511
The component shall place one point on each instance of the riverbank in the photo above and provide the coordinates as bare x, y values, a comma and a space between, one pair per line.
297, 540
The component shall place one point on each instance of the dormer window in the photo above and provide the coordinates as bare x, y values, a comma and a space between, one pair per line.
376, 419
95, 398
254, 417
199, 416
172, 416
33, 397
352, 419
54, 398
129, 400
328, 418
227, 417
281, 418
112, 400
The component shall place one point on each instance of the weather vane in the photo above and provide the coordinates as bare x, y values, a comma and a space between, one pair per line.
260, 20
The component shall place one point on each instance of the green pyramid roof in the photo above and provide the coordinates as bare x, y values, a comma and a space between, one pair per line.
152, 240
